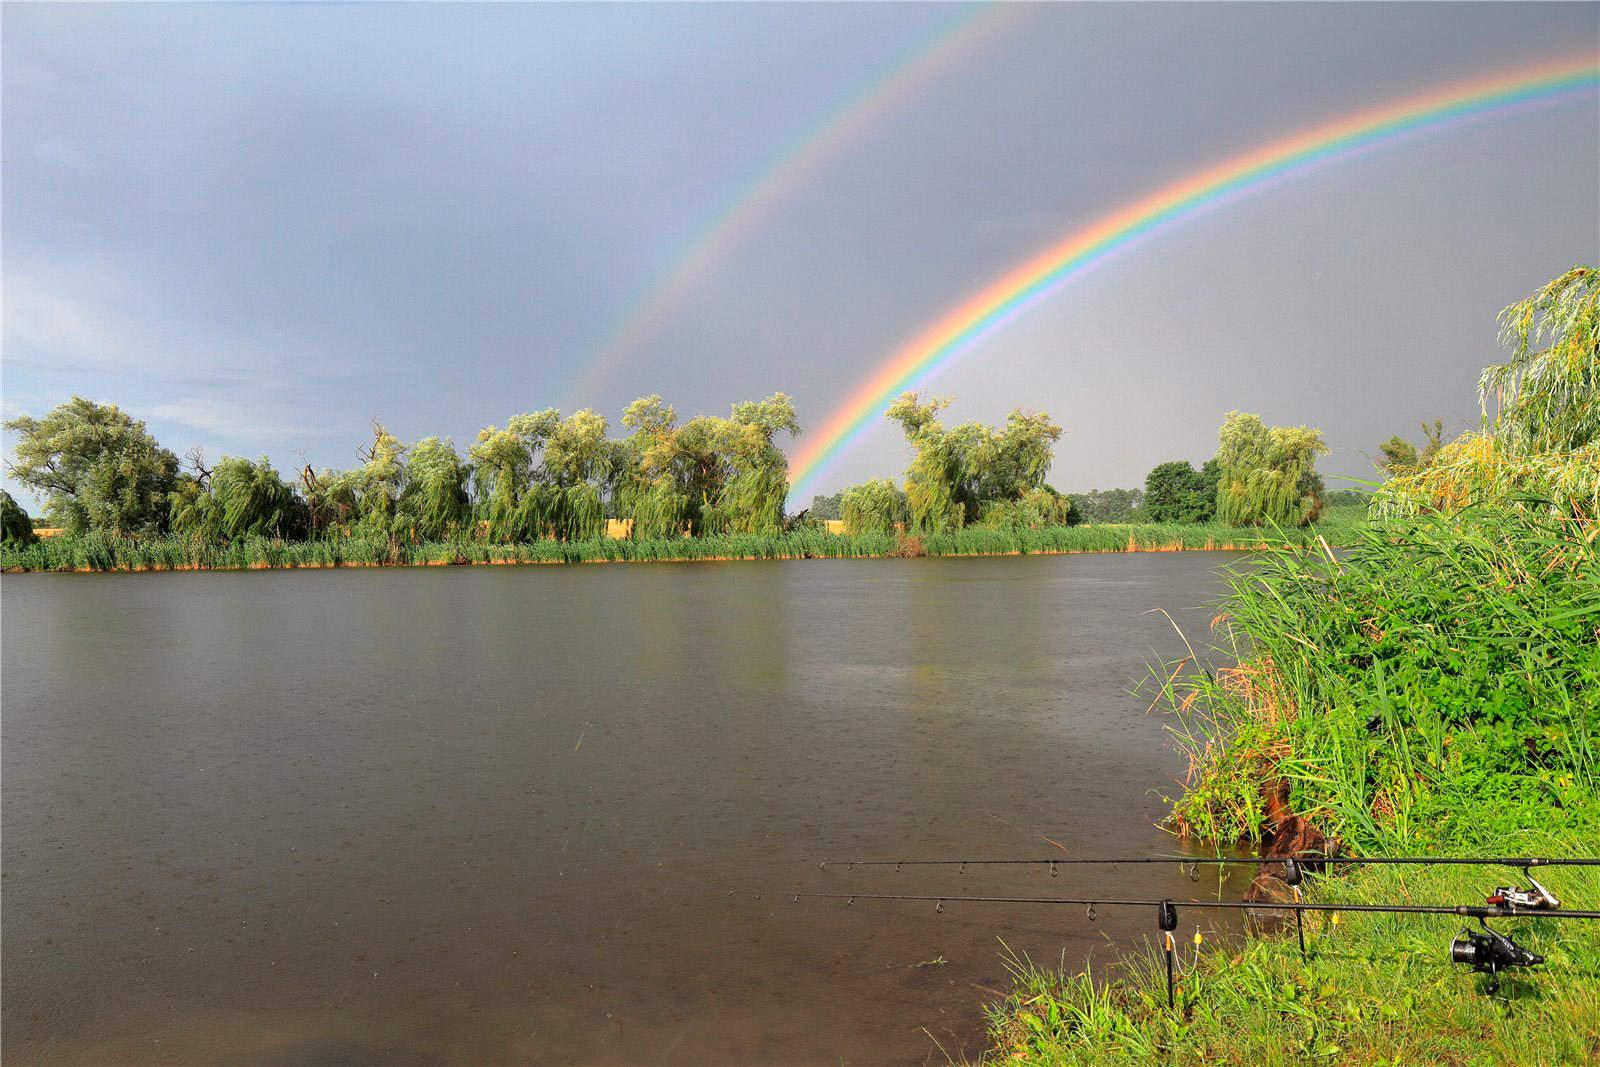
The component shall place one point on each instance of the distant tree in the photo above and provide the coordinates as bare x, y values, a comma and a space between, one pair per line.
707, 475
579, 464
436, 503
826, 507
1346, 498
1268, 474
379, 482
1101, 506
937, 471
958, 472
1176, 492
751, 499
1398, 454
877, 506
16, 528
330, 499
1205, 506
505, 463
238, 499
1433, 437
1033, 510
97, 468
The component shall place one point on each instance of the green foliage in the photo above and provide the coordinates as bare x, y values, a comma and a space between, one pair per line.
436, 503
957, 473
1398, 454
1547, 399
1434, 690
1437, 666
877, 506
238, 499
330, 497
751, 500
98, 468
1036, 509
379, 483
1176, 492
1108, 505
16, 528
1348, 498
709, 475
1542, 448
1267, 475
504, 462
1373, 989
827, 507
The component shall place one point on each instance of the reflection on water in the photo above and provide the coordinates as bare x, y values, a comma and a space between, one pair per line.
478, 816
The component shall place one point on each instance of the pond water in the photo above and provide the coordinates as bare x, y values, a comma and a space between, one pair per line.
522, 815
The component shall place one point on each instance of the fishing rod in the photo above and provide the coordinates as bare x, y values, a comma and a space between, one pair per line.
1535, 896
1485, 951
1303, 857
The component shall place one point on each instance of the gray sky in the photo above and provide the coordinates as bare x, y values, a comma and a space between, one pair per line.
259, 227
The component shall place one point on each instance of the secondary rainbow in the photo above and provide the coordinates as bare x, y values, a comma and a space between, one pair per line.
743, 212
957, 330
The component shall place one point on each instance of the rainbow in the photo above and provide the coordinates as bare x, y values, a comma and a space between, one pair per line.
745, 210
962, 327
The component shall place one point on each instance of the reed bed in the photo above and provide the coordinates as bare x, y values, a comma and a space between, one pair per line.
95, 552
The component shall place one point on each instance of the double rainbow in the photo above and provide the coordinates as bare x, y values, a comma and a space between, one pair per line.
743, 212
959, 329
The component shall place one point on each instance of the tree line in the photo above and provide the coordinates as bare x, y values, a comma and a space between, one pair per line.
544, 476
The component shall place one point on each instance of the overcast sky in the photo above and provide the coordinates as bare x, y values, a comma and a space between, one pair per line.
260, 227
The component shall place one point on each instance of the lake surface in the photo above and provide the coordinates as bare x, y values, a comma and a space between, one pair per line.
521, 815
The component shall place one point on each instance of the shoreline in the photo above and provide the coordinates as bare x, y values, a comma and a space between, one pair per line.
1132, 547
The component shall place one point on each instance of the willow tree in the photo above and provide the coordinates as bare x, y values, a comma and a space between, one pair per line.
873, 507
1546, 397
936, 473
1268, 475
651, 491
436, 502
958, 474
239, 499
379, 482
16, 528
1540, 443
513, 503
756, 484
97, 468
579, 462
332, 500
709, 474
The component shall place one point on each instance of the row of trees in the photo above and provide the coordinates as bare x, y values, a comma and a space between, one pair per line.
975, 474
539, 476
542, 475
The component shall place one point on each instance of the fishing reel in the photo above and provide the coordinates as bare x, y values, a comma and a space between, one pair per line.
1535, 898
1489, 952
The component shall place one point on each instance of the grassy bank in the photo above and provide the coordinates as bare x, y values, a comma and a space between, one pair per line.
99, 553
1435, 689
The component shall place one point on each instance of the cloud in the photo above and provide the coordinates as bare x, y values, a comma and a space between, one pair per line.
232, 419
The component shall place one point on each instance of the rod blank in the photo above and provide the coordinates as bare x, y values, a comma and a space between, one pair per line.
1472, 911
1303, 857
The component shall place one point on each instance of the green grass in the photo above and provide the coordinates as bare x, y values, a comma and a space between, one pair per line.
102, 553
1434, 688
1374, 989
